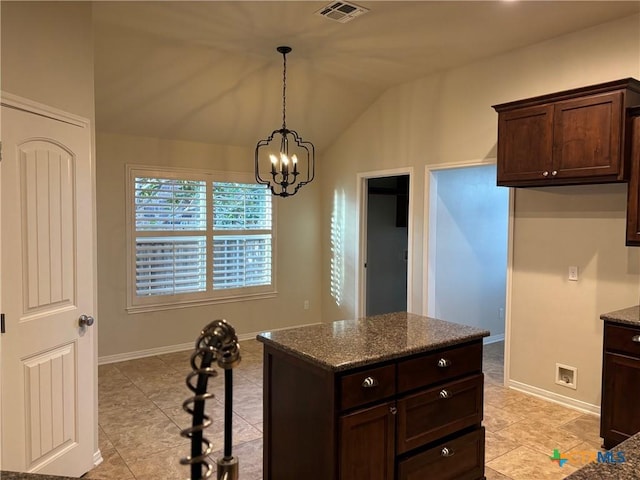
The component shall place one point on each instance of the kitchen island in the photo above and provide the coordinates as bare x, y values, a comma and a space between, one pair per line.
388, 397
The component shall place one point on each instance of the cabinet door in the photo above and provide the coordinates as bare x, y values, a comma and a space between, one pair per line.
525, 144
633, 198
620, 410
366, 444
587, 137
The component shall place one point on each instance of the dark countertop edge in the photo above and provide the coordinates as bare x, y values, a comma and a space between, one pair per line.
27, 476
625, 316
459, 340
627, 470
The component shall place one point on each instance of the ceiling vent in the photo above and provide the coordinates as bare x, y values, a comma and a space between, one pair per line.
342, 12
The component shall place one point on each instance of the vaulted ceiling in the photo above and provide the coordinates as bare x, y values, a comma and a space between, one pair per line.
208, 71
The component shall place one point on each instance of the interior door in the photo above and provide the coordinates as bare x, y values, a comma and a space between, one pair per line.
387, 220
47, 269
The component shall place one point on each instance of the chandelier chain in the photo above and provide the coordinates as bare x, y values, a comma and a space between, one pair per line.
284, 91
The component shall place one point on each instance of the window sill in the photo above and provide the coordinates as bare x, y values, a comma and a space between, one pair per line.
133, 309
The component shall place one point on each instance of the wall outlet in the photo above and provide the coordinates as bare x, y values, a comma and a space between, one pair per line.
305, 305
573, 274
567, 376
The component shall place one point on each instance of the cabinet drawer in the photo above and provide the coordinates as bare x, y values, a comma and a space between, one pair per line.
367, 386
459, 459
439, 367
426, 416
621, 339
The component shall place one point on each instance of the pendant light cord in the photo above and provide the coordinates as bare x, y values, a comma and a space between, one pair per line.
284, 91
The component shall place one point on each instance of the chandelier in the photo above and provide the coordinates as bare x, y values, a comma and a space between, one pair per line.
284, 161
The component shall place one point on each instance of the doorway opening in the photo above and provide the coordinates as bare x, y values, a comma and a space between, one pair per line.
385, 233
468, 240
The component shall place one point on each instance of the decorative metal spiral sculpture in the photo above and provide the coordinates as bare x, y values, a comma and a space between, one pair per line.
217, 343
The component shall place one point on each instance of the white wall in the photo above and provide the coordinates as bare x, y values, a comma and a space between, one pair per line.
47, 54
447, 118
297, 268
470, 247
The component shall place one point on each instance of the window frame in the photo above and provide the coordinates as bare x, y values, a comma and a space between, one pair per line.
137, 304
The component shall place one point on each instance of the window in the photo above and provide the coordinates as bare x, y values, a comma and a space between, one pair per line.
198, 237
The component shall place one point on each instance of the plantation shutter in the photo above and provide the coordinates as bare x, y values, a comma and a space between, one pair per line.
170, 244
242, 238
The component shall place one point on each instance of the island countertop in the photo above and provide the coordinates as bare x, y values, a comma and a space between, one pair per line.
346, 344
629, 316
29, 476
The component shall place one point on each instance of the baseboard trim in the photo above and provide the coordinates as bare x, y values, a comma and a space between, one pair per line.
97, 458
181, 347
568, 402
493, 339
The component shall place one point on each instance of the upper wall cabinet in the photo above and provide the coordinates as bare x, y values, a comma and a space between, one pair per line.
633, 192
571, 137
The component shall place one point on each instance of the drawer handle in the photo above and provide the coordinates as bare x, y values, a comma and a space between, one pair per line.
369, 382
554, 173
446, 452
444, 394
444, 363
545, 174
393, 410
635, 338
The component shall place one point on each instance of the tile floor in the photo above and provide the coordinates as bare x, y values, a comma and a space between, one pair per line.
141, 417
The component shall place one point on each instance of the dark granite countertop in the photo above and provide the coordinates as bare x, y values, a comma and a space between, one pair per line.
629, 316
627, 470
30, 476
346, 344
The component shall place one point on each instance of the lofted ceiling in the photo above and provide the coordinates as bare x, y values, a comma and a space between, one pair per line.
208, 71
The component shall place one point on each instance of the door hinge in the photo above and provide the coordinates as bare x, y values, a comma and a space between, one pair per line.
2, 329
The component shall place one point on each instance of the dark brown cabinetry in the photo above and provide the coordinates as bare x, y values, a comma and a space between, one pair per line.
620, 412
633, 193
396, 419
572, 137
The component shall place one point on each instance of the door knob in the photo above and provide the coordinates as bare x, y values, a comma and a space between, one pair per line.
86, 320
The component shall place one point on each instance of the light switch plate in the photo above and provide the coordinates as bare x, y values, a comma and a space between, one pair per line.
573, 274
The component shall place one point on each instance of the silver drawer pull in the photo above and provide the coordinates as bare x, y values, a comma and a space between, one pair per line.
393, 410
444, 394
369, 382
444, 363
635, 338
446, 452
545, 174
554, 173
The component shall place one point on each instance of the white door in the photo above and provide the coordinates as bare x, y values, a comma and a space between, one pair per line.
47, 268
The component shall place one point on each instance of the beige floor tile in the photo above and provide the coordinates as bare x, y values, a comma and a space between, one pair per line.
582, 454
161, 465
541, 410
250, 459
499, 396
540, 436
496, 419
586, 426
524, 463
497, 445
112, 467
491, 474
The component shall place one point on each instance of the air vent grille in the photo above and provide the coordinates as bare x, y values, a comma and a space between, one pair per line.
342, 12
